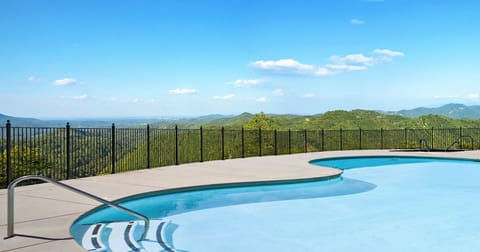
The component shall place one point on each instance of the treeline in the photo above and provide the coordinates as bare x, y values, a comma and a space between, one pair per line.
346, 120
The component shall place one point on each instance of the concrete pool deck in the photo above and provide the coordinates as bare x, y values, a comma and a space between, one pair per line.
44, 212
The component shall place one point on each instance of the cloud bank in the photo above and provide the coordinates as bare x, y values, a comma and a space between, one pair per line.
65, 82
182, 91
337, 65
247, 83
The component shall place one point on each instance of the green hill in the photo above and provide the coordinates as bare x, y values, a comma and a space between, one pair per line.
339, 119
452, 110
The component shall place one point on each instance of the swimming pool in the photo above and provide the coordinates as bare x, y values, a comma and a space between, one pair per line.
391, 204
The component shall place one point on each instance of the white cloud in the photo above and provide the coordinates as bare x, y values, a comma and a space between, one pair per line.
339, 64
283, 64
357, 21
473, 96
278, 92
353, 59
182, 91
261, 99
308, 96
388, 53
290, 66
344, 67
81, 97
247, 83
65, 82
225, 97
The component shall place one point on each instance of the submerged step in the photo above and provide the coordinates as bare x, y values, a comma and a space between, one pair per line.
125, 236
92, 241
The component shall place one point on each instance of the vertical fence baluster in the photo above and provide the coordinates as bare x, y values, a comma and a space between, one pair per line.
275, 141
341, 139
381, 138
260, 142
223, 143
176, 145
148, 145
360, 136
243, 143
9, 149
289, 141
201, 144
433, 135
69, 171
323, 139
113, 148
305, 140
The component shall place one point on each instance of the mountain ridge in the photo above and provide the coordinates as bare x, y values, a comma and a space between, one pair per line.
449, 115
452, 110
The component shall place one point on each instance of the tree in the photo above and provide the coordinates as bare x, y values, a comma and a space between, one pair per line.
25, 161
261, 121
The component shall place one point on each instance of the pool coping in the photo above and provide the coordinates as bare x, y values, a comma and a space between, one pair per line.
46, 228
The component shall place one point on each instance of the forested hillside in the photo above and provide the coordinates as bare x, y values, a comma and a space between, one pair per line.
364, 119
447, 116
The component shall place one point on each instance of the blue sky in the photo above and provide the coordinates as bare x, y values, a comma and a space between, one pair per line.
87, 59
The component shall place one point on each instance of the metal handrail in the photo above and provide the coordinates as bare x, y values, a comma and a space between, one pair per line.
427, 147
11, 187
458, 141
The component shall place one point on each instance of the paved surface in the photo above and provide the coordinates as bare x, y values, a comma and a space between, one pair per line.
44, 212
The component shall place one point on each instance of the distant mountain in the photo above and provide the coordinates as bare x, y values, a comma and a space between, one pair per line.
452, 110
20, 121
450, 115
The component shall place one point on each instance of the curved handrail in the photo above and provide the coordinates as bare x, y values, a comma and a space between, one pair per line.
11, 187
458, 141
427, 147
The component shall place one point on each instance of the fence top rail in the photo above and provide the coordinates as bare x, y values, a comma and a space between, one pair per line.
148, 126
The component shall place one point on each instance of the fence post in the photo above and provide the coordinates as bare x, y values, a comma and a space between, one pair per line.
323, 139
289, 141
341, 139
406, 138
201, 144
260, 141
9, 146
148, 145
275, 141
223, 143
381, 138
67, 136
113, 148
360, 132
433, 136
176, 145
305, 140
243, 143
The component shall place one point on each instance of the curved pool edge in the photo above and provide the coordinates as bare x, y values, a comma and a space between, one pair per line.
215, 186
390, 156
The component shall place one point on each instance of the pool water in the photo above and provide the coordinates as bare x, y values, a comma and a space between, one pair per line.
411, 205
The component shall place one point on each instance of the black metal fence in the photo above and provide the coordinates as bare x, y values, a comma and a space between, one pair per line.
66, 153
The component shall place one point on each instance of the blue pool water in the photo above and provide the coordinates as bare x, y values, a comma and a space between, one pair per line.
392, 204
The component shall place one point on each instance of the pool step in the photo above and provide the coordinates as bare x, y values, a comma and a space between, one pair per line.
125, 236
91, 240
